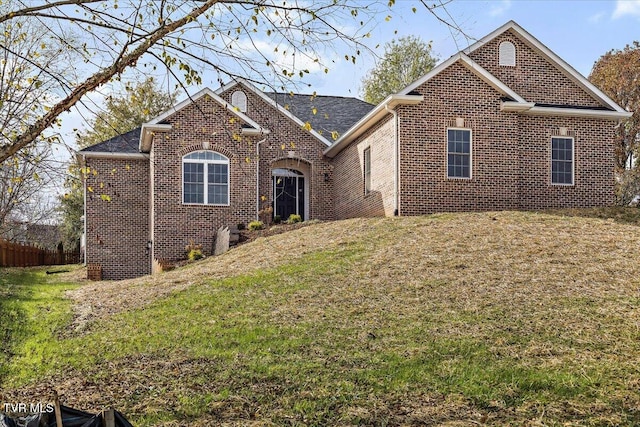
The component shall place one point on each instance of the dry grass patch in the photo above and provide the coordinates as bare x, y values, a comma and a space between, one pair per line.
505, 318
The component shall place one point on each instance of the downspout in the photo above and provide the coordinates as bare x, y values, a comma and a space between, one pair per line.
396, 161
84, 209
258, 178
151, 249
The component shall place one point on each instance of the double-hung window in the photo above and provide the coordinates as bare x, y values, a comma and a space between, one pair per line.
562, 160
367, 170
205, 178
458, 153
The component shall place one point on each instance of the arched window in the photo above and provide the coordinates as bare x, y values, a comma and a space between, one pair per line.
205, 178
507, 54
239, 100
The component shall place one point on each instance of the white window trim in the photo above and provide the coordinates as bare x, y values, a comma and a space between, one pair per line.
206, 177
573, 161
446, 153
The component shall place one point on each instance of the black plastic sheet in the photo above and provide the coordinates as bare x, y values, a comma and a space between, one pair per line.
70, 418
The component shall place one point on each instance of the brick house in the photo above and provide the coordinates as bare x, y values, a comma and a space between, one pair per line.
504, 124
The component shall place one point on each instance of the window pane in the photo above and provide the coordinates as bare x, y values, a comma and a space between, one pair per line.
367, 170
193, 193
459, 153
218, 194
193, 172
561, 160
217, 174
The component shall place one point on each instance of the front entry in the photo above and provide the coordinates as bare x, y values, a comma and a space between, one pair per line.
288, 193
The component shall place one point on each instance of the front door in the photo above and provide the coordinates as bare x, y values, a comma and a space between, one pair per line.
288, 193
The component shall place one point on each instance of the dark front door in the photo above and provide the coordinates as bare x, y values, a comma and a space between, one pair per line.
288, 190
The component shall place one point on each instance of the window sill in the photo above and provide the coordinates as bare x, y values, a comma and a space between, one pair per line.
206, 204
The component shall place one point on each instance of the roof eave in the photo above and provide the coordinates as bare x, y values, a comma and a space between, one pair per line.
470, 65
146, 135
578, 112
273, 103
111, 155
381, 110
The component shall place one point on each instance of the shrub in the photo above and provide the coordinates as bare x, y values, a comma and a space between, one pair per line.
241, 226
293, 218
277, 219
256, 225
194, 251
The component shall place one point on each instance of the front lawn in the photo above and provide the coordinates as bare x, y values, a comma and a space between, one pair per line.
508, 318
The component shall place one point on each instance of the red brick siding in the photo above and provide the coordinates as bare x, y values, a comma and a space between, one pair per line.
176, 224
285, 136
593, 163
511, 155
349, 198
423, 151
534, 78
118, 230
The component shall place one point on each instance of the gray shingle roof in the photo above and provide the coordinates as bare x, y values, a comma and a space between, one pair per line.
333, 113
125, 143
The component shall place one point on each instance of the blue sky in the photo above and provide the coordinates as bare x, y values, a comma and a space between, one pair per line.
578, 31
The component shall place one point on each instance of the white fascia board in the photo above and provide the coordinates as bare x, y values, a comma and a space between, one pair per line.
492, 35
560, 63
381, 110
274, 104
579, 112
146, 135
531, 109
431, 74
226, 87
489, 78
110, 155
472, 66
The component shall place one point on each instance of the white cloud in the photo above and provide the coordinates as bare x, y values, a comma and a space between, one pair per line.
627, 8
500, 8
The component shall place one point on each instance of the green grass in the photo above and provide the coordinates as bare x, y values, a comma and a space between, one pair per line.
33, 311
494, 319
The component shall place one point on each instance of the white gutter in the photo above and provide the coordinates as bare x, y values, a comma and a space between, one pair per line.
516, 106
396, 162
532, 109
578, 112
258, 177
110, 155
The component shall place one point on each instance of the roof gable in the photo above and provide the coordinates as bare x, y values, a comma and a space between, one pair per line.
158, 124
546, 53
472, 66
332, 113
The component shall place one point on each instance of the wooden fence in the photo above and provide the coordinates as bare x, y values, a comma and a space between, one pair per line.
19, 255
